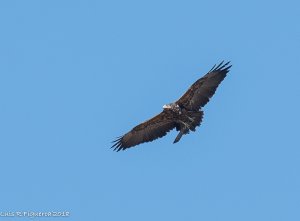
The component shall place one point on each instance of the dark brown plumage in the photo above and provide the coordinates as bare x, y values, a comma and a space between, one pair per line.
184, 115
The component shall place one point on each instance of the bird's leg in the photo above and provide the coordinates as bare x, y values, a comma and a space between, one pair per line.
191, 119
186, 125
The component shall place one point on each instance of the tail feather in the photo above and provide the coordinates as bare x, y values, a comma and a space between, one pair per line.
182, 132
178, 137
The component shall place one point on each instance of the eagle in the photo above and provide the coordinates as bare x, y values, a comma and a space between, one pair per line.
184, 114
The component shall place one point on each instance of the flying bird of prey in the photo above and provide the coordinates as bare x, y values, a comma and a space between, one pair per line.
185, 114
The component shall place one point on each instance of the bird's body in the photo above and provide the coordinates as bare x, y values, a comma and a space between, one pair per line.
185, 114
184, 119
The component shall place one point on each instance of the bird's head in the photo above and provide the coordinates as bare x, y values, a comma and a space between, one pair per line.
167, 106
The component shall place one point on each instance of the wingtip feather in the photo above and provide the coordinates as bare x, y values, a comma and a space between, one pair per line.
221, 67
117, 146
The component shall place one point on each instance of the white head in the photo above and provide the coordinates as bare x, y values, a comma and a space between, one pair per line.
167, 106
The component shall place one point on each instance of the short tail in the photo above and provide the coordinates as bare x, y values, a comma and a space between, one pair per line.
182, 132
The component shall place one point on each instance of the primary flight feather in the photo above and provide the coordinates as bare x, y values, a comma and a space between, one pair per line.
185, 114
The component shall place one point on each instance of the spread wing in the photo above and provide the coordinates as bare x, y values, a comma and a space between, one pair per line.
203, 89
150, 130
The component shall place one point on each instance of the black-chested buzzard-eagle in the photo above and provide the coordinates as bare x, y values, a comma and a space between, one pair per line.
185, 114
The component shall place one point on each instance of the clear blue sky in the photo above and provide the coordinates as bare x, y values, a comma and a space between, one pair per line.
76, 74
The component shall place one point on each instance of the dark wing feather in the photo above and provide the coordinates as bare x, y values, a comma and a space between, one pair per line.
150, 130
203, 89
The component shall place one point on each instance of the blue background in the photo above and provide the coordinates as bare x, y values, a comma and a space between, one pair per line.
76, 74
